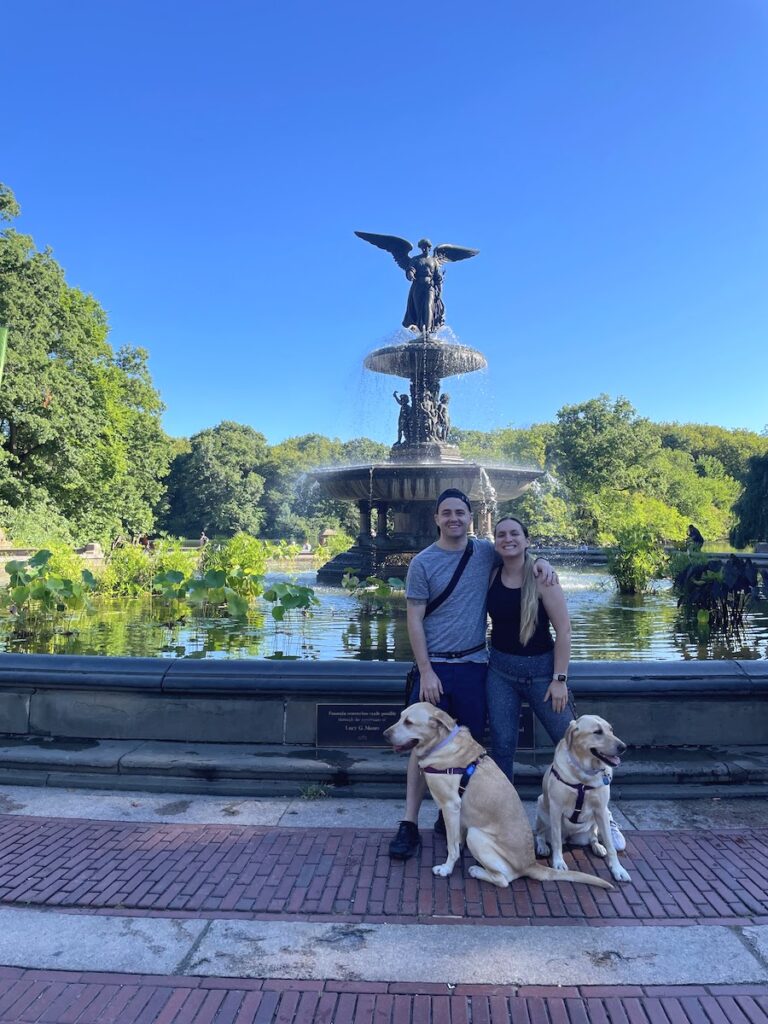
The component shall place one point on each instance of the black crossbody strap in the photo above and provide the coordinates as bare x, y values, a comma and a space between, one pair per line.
437, 601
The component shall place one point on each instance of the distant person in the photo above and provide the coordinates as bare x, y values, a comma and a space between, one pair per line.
695, 539
203, 539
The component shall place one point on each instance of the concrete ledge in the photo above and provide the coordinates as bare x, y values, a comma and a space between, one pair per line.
213, 701
81, 672
279, 770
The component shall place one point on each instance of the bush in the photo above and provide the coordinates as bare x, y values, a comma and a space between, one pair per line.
242, 560
638, 559
168, 555
128, 572
64, 561
334, 545
37, 527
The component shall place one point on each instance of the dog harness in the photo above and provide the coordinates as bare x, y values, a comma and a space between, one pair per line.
465, 773
580, 792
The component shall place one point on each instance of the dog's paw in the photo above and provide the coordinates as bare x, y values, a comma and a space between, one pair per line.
620, 874
475, 871
542, 847
442, 870
559, 864
597, 848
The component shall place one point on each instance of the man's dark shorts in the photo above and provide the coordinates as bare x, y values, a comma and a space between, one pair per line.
463, 693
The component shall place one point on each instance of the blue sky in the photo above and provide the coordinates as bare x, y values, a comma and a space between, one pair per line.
200, 168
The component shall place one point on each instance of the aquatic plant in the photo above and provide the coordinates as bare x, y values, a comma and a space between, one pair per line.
40, 599
717, 592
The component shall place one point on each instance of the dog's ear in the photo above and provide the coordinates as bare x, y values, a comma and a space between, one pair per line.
441, 719
570, 733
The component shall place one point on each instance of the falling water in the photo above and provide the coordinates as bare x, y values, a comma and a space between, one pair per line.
489, 506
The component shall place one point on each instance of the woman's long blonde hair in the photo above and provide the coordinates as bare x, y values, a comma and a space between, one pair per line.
529, 596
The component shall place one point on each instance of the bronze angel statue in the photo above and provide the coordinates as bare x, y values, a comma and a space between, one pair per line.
425, 312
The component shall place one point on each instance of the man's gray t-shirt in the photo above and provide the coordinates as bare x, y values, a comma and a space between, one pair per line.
460, 622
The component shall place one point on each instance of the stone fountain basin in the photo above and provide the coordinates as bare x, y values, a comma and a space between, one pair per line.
423, 481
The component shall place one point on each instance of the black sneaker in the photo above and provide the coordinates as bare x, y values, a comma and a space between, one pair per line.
406, 843
439, 826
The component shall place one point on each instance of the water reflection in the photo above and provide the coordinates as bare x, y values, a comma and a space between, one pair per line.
606, 626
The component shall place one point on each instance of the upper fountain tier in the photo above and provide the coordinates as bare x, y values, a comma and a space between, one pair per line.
428, 360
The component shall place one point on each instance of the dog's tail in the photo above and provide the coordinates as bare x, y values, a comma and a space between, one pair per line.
542, 873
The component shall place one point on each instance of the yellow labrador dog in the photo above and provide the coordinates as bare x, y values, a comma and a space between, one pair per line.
489, 815
576, 790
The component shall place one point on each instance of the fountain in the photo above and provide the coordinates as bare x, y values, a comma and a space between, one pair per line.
401, 492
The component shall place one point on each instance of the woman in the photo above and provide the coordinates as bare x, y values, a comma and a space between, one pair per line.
526, 664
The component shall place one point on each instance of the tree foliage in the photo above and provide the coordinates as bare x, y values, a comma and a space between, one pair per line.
752, 506
217, 484
80, 433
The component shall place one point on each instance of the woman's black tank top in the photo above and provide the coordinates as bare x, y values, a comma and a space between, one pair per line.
504, 610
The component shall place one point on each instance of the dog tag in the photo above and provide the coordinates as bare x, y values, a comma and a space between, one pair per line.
606, 780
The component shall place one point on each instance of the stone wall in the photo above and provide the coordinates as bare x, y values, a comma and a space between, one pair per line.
271, 702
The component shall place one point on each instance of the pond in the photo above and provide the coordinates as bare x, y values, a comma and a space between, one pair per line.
605, 624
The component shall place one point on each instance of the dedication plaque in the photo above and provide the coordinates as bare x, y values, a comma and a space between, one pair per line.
362, 725
355, 725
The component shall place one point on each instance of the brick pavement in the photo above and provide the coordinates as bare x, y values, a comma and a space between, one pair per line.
679, 877
60, 997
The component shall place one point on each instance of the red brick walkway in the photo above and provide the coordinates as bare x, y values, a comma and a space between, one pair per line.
69, 998
213, 870
685, 877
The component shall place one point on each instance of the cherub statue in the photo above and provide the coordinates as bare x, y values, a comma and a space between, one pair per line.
404, 419
425, 312
443, 418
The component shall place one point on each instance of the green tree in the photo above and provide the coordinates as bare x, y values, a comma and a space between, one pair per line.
600, 443
294, 506
545, 511
732, 448
751, 509
80, 433
217, 484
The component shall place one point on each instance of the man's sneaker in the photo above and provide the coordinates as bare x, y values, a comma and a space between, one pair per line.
406, 843
439, 826
619, 842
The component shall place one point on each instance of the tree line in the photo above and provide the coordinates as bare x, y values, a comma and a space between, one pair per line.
83, 454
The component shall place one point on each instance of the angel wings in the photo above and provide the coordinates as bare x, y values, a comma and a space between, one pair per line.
425, 312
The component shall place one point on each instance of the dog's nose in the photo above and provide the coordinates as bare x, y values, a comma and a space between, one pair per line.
621, 747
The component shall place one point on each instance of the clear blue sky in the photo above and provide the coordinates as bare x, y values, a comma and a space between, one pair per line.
200, 168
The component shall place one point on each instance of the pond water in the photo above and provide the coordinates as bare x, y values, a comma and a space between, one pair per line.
605, 625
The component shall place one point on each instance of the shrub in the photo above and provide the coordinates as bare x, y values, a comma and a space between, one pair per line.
243, 556
169, 555
128, 572
334, 545
64, 561
638, 558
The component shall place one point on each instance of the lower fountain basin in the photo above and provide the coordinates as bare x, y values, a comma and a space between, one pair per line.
407, 482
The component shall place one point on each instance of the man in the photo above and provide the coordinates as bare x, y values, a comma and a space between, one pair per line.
448, 646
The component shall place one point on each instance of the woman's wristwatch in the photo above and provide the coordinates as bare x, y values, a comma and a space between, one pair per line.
561, 677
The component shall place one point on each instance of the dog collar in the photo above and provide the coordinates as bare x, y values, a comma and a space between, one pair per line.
581, 768
453, 733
